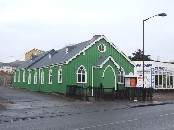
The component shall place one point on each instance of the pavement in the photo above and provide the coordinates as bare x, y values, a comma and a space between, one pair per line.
21, 104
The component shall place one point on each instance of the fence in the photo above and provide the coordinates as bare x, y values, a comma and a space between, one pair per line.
5, 81
133, 93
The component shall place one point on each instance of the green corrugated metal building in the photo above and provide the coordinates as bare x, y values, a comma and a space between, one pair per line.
90, 63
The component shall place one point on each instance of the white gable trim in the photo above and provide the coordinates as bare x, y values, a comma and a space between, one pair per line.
109, 58
101, 37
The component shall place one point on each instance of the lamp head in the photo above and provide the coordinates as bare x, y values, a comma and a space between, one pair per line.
162, 14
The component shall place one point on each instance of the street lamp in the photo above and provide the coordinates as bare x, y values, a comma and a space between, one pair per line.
161, 14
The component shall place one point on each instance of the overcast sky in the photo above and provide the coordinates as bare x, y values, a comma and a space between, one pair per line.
53, 24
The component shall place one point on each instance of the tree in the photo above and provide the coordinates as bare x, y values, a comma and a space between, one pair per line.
138, 56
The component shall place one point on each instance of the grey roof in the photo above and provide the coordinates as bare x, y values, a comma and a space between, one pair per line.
30, 62
60, 56
10, 64
101, 60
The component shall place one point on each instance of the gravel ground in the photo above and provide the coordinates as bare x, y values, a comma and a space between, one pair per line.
163, 96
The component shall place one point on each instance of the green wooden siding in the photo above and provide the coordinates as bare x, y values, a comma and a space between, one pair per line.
69, 71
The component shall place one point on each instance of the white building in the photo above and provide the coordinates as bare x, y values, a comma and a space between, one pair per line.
157, 75
8, 67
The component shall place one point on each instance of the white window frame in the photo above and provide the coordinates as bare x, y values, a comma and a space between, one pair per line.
50, 76
121, 74
19, 76
24, 76
29, 77
35, 77
14, 76
42, 76
81, 75
60, 75
104, 47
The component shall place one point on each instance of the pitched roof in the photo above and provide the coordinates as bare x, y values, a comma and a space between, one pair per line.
61, 56
101, 60
30, 62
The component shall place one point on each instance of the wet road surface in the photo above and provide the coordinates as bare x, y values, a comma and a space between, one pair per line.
32, 110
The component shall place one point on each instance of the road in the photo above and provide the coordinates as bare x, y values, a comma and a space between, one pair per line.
31, 110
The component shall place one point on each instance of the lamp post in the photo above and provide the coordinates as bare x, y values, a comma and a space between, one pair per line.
161, 14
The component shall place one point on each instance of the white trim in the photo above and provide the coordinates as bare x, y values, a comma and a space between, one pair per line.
114, 75
112, 59
23, 76
60, 70
35, 77
14, 77
19, 76
29, 77
81, 73
104, 47
42, 76
102, 37
50, 72
119, 74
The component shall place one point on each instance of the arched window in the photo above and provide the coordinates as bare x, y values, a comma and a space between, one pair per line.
24, 76
81, 75
121, 76
42, 77
35, 77
29, 77
19, 76
50, 76
60, 75
15, 77
102, 48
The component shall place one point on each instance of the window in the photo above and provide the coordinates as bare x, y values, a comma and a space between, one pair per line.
19, 76
29, 77
121, 77
81, 75
60, 76
50, 76
24, 76
35, 77
102, 48
42, 77
15, 77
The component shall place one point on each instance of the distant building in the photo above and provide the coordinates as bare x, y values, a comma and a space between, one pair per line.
157, 75
29, 54
10, 67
